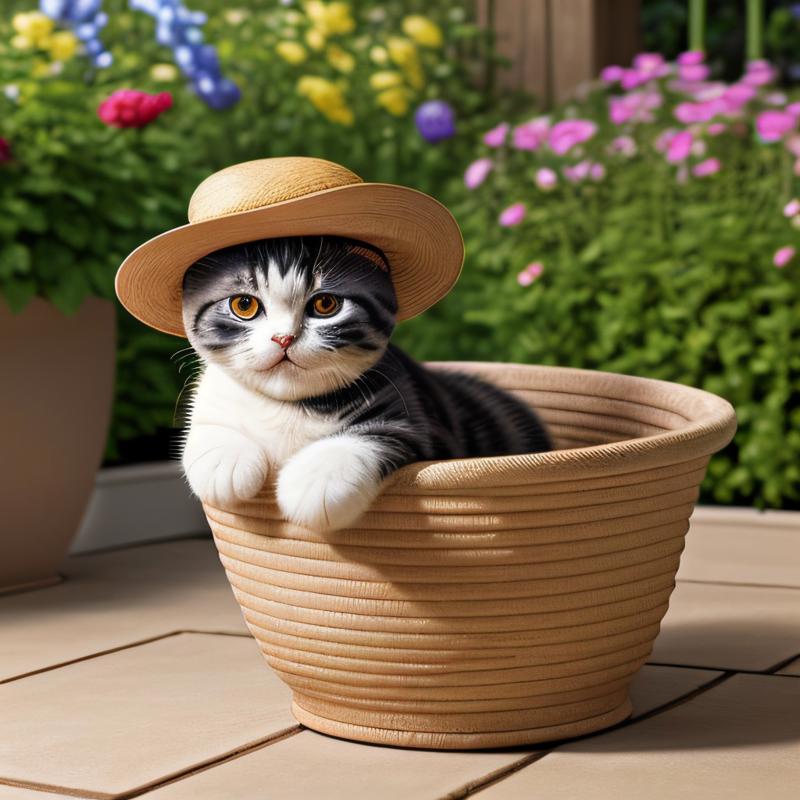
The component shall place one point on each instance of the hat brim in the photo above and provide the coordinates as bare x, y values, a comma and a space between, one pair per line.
418, 235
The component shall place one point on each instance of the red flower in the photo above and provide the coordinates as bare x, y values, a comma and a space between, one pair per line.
5, 150
129, 108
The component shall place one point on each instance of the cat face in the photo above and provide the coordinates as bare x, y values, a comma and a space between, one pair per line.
291, 318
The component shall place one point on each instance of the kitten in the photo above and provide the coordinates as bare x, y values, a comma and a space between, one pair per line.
301, 385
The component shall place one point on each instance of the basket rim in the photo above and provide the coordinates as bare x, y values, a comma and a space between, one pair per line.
710, 425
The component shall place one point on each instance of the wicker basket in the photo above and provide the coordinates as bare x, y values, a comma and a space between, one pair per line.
495, 601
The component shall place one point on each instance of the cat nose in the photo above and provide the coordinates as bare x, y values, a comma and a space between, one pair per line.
283, 340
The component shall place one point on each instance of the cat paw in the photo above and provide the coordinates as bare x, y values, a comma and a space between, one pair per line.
226, 473
329, 484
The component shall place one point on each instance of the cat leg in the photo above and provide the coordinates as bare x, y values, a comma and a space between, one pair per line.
223, 465
330, 483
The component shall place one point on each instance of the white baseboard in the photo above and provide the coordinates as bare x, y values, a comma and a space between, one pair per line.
139, 503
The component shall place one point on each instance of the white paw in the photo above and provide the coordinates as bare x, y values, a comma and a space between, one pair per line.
225, 473
329, 484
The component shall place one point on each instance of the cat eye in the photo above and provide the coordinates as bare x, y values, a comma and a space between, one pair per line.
244, 306
325, 305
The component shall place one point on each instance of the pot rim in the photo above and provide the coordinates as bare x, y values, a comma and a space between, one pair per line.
710, 425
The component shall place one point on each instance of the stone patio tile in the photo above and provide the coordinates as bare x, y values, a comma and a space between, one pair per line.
729, 627
111, 724
114, 599
740, 739
743, 545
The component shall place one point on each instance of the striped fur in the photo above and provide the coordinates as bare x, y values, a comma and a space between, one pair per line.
322, 403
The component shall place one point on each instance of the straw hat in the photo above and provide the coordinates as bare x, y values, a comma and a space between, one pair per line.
274, 197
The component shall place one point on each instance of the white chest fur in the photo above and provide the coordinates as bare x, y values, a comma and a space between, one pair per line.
279, 428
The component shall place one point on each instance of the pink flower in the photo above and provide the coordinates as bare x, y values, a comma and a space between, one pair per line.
566, 134
597, 172
650, 65
611, 74
130, 108
531, 135
759, 73
792, 144
530, 273
632, 79
633, 107
691, 58
496, 137
706, 168
477, 172
736, 96
512, 215
772, 126
624, 145
546, 178
776, 99
792, 208
578, 172
693, 73
679, 147
783, 256
793, 109
664, 138
716, 128
688, 113
5, 150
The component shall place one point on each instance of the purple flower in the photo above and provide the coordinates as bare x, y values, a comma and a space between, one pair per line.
706, 168
691, 58
530, 273
435, 120
512, 215
783, 256
566, 134
531, 135
679, 147
772, 126
496, 137
477, 172
546, 178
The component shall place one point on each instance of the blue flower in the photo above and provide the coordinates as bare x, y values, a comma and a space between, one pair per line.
435, 120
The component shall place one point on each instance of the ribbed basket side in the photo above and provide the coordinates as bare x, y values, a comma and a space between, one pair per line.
509, 611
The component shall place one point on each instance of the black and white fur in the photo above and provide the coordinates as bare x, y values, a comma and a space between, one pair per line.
335, 411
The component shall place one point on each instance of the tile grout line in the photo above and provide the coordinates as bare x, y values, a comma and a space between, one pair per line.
232, 755
110, 650
51, 788
743, 584
479, 784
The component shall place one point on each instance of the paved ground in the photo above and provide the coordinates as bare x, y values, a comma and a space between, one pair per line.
135, 676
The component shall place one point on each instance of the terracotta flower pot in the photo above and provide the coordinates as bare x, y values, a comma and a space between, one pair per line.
58, 380
495, 601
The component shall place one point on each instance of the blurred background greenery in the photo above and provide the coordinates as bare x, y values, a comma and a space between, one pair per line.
632, 257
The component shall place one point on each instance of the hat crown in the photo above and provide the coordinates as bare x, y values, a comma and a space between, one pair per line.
264, 182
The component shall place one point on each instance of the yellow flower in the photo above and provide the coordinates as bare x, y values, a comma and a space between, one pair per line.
378, 54
340, 59
63, 45
33, 25
423, 31
164, 73
42, 69
20, 42
330, 18
402, 51
236, 16
386, 79
293, 52
327, 97
394, 100
315, 39
414, 74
